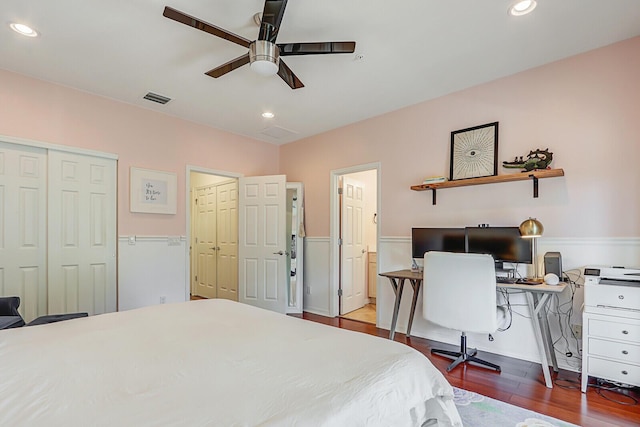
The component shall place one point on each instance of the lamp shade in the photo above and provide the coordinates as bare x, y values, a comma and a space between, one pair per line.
531, 228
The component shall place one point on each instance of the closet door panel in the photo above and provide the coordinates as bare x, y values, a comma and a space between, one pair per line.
82, 233
23, 201
227, 226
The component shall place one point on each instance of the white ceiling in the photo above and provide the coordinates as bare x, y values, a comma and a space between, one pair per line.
414, 50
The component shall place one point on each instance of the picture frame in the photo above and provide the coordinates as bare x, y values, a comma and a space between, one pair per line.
152, 191
474, 152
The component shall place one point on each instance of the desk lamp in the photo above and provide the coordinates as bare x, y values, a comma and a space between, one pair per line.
532, 229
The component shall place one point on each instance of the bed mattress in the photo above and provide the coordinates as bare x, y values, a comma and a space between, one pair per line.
214, 363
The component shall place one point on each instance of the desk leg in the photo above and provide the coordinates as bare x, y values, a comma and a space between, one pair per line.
535, 322
398, 285
541, 305
416, 284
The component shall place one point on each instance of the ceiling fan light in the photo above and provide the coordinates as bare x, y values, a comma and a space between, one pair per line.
264, 57
264, 67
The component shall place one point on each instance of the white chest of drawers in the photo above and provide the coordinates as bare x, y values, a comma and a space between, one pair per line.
611, 334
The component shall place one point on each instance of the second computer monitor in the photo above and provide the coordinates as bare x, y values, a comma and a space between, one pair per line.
503, 243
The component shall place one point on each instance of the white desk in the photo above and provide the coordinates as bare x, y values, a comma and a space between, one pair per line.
538, 297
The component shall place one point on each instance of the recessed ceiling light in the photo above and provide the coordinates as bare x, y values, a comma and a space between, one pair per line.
268, 115
23, 29
522, 7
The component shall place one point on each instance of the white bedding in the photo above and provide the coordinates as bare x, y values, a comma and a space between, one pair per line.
214, 363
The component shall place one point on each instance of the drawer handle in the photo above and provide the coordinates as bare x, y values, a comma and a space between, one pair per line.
620, 296
625, 332
625, 352
624, 372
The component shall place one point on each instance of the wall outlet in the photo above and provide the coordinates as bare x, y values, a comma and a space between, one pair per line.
132, 240
163, 299
577, 331
174, 240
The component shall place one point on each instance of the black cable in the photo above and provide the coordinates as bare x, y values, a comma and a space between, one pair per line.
505, 295
571, 384
616, 388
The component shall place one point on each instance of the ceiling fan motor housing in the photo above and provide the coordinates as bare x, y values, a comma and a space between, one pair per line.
264, 57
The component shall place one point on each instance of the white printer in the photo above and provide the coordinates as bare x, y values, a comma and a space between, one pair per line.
612, 290
611, 325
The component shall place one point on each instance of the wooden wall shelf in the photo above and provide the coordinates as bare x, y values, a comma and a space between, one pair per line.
533, 175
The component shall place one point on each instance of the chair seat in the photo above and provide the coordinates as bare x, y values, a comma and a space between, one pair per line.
7, 322
52, 318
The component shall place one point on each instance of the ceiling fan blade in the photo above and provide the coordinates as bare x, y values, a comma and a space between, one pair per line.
271, 19
229, 66
183, 18
289, 49
287, 75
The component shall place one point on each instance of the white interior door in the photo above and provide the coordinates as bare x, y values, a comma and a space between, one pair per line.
82, 233
206, 241
227, 234
353, 246
23, 227
261, 246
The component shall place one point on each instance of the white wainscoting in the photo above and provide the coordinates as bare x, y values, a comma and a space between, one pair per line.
316, 275
394, 253
152, 270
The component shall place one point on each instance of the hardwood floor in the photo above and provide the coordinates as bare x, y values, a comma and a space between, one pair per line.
520, 383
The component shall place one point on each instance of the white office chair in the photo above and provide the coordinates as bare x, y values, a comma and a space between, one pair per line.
460, 293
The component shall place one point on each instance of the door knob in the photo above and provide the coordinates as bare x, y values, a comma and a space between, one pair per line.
364, 251
213, 248
281, 253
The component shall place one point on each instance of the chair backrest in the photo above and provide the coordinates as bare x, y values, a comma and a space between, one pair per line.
459, 291
9, 306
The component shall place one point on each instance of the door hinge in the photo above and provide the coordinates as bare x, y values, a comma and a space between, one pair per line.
339, 190
196, 201
340, 242
196, 277
339, 292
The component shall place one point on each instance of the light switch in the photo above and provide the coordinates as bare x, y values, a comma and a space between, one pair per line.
132, 240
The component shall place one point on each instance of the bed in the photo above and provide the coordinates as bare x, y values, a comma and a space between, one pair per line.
214, 363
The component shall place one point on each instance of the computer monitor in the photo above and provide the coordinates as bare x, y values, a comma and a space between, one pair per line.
503, 243
436, 239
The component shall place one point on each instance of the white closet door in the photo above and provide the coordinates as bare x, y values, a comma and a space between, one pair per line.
82, 233
227, 233
23, 238
206, 240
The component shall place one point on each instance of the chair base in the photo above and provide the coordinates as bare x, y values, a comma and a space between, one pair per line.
464, 356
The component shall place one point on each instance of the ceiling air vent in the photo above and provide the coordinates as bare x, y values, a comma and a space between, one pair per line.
278, 132
156, 98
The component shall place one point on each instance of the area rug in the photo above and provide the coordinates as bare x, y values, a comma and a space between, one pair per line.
477, 410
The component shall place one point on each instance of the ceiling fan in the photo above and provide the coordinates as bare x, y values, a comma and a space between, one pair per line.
264, 54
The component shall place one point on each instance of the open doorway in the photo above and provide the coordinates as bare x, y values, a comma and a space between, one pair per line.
213, 235
357, 231
215, 252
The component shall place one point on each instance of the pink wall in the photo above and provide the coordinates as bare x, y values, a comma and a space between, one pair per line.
585, 109
41, 111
